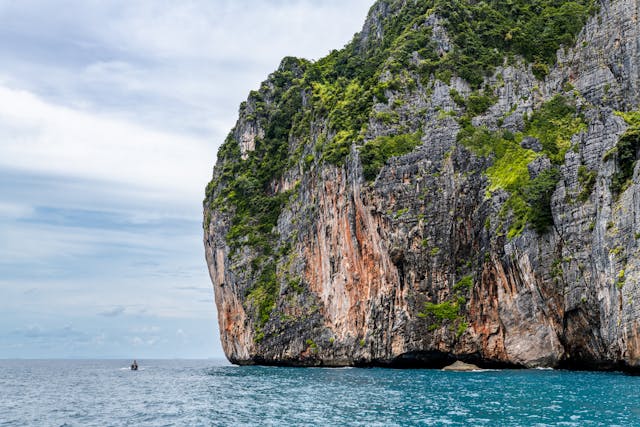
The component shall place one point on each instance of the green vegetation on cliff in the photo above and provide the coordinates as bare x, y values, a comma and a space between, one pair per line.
484, 32
450, 311
374, 154
552, 126
245, 186
314, 113
626, 153
346, 84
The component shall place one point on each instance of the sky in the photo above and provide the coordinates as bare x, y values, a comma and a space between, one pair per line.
111, 114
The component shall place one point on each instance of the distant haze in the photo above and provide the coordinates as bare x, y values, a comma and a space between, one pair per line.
110, 117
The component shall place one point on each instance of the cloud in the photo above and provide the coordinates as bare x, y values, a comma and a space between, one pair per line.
114, 312
39, 137
38, 243
232, 28
143, 342
181, 66
32, 331
99, 340
199, 289
146, 329
36, 332
9, 210
118, 73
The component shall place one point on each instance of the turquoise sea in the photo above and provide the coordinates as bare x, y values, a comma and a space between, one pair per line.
213, 393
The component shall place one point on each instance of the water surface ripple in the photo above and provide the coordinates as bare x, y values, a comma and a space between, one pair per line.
211, 393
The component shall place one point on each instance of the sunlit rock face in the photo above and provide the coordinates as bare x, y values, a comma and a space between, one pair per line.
378, 208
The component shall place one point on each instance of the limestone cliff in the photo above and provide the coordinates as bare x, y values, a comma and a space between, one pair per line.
433, 192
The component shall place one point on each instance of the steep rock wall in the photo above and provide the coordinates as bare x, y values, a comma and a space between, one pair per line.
424, 264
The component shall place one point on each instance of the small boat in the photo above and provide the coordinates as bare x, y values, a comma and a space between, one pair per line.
134, 366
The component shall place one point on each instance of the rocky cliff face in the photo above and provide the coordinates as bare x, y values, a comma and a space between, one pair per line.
376, 209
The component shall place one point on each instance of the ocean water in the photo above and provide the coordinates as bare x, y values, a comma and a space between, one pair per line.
213, 393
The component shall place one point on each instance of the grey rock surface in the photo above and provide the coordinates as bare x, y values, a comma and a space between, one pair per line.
370, 256
459, 366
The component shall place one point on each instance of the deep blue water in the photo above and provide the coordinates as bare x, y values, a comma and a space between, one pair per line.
212, 393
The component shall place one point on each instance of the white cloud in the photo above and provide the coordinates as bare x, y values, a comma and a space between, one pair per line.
38, 332
113, 312
10, 210
34, 242
146, 330
39, 137
238, 29
180, 65
118, 73
37, 243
